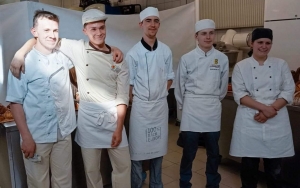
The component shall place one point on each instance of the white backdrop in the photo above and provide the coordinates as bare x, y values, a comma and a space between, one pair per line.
176, 30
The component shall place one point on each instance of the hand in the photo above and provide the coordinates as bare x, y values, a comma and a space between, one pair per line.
117, 55
116, 139
28, 147
16, 65
77, 96
260, 117
269, 111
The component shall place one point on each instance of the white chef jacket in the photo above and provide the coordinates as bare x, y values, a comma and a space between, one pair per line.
102, 85
45, 94
149, 75
265, 84
201, 82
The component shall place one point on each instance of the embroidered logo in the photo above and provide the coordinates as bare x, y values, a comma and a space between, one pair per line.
115, 68
215, 65
216, 61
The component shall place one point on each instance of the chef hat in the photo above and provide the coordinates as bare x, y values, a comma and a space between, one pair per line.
204, 24
262, 33
150, 11
93, 15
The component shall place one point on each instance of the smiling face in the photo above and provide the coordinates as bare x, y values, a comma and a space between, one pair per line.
205, 39
96, 32
46, 33
150, 26
261, 47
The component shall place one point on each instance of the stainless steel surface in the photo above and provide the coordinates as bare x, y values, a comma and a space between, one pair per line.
12, 171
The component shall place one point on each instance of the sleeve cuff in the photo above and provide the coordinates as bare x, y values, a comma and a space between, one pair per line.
285, 97
122, 101
237, 97
171, 76
14, 99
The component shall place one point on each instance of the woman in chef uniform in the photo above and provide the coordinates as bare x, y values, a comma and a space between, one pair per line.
262, 87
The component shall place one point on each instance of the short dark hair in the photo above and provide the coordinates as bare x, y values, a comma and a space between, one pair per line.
44, 14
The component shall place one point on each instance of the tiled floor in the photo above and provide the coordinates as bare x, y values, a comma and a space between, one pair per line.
228, 169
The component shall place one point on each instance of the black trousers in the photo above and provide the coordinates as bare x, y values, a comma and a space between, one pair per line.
249, 172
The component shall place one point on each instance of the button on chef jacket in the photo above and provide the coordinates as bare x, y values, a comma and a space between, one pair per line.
265, 84
201, 82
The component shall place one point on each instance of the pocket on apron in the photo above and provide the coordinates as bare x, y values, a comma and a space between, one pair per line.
107, 120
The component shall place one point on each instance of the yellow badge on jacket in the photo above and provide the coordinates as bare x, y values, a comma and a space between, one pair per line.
215, 65
216, 61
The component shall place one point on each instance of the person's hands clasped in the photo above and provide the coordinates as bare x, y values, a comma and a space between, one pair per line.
260, 117
269, 111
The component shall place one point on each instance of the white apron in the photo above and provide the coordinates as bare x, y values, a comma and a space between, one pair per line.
148, 129
201, 114
272, 139
96, 125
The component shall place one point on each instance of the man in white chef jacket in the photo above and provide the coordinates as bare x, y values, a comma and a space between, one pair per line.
201, 83
151, 75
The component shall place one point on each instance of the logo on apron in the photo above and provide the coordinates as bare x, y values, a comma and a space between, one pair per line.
153, 133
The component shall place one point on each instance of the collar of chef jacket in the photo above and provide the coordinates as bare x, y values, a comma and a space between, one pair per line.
148, 47
202, 53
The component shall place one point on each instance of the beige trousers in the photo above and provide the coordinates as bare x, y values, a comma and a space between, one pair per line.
120, 161
57, 156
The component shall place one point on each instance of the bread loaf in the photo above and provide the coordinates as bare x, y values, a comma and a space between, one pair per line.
2, 109
297, 98
297, 86
8, 115
2, 118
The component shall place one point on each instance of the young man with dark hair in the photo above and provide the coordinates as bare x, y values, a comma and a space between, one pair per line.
151, 76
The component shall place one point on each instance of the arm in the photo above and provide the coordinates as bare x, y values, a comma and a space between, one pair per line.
169, 84
268, 111
132, 74
224, 80
117, 54
121, 102
28, 145
180, 83
130, 93
279, 103
17, 62
117, 136
287, 88
170, 74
